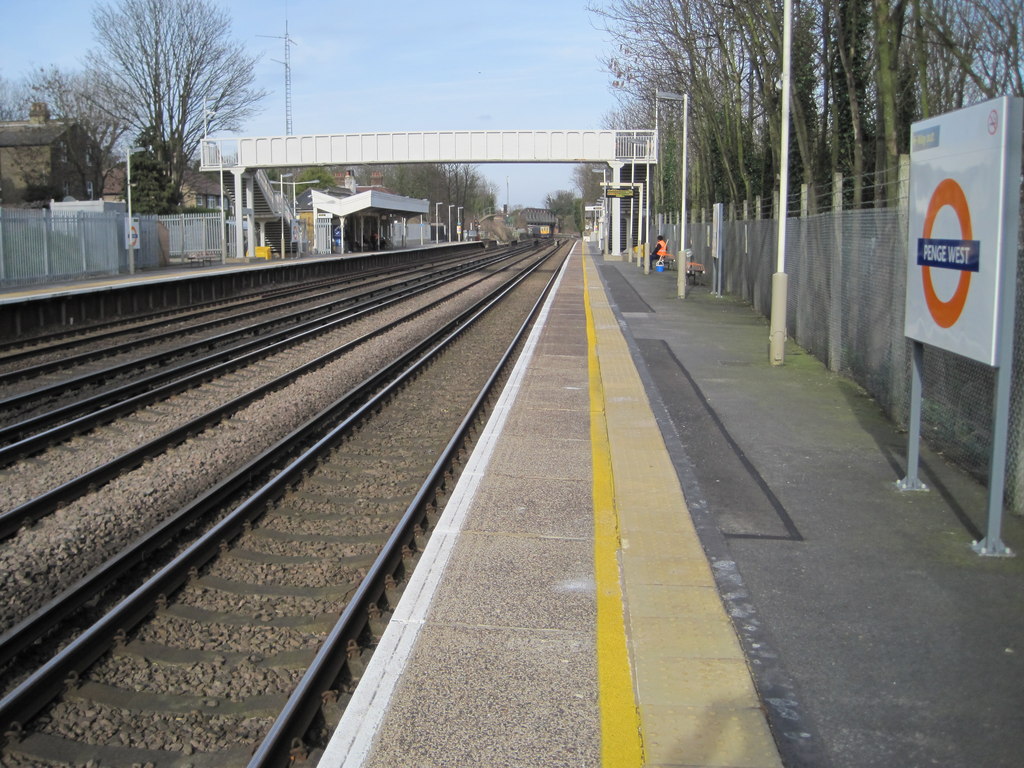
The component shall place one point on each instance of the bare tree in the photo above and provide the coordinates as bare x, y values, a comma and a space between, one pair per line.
982, 41
13, 100
162, 63
76, 98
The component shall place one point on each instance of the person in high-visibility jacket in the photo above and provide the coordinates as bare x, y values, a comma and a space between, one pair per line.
661, 250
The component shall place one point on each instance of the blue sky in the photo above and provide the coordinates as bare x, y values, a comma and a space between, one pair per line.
400, 65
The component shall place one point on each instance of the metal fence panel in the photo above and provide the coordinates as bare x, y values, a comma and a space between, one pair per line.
192, 233
36, 246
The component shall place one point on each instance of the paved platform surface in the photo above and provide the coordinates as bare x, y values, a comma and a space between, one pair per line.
873, 634
565, 554
863, 606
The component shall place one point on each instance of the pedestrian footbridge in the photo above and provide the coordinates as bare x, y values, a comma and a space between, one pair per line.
564, 146
248, 158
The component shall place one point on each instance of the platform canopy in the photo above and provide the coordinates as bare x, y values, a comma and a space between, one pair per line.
370, 202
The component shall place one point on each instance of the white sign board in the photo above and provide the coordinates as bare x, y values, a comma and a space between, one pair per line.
964, 204
131, 233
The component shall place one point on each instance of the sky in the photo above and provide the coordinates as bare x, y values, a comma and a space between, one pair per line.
361, 66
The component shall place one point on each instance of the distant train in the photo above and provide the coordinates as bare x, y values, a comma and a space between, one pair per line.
538, 230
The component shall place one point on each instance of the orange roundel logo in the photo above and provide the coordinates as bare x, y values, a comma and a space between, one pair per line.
946, 313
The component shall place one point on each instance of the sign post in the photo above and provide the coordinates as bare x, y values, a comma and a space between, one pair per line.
962, 264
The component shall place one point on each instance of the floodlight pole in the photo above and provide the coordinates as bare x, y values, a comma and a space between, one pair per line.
780, 285
128, 184
681, 260
281, 183
604, 204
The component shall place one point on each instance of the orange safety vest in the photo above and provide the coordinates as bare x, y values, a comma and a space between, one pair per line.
662, 251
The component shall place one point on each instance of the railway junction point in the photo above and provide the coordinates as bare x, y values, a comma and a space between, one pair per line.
665, 551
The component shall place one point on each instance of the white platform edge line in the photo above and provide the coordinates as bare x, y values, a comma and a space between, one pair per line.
352, 740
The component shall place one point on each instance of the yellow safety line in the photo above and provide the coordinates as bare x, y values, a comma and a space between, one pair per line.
620, 722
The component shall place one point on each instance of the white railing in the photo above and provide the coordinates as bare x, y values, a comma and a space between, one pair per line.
544, 146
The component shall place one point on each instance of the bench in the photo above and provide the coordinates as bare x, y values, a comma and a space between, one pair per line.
694, 270
202, 257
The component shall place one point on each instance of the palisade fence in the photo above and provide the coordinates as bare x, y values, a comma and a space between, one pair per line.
196, 233
37, 246
847, 287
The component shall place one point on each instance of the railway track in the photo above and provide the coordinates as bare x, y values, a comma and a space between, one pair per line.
45, 378
76, 336
241, 651
334, 337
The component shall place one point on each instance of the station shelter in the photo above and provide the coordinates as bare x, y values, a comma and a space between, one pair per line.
366, 219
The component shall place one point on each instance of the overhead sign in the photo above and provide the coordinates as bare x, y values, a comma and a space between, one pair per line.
623, 193
964, 203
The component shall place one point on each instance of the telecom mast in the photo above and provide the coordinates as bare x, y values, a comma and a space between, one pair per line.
288, 42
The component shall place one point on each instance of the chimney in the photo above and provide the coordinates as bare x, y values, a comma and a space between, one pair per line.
39, 113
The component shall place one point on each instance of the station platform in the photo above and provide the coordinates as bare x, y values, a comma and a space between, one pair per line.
666, 552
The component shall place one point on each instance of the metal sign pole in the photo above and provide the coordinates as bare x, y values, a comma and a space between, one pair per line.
911, 481
993, 544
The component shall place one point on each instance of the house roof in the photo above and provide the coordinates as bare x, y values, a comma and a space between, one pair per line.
193, 181
22, 133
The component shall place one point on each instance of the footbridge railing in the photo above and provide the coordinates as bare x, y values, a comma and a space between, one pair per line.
542, 146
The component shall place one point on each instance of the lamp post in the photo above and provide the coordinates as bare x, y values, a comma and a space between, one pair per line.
437, 222
604, 203
209, 112
681, 256
780, 280
293, 185
131, 234
450, 222
458, 215
281, 183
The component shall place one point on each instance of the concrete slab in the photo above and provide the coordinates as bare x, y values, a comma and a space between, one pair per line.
513, 580
476, 696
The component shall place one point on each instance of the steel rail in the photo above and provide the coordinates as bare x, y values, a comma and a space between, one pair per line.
40, 688
34, 509
16, 433
257, 328
13, 351
278, 748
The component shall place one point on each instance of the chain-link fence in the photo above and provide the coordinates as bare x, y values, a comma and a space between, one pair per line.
847, 287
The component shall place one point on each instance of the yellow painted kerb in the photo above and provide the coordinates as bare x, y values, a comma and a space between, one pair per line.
621, 743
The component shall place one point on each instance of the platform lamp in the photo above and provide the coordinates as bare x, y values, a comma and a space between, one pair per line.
458, 215
780, 280
682, 262
131, 235
301, 241
437, 222
208, 112
604, 203
281, 183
